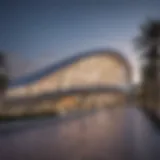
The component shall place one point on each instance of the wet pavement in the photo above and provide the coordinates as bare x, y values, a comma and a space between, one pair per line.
112, 134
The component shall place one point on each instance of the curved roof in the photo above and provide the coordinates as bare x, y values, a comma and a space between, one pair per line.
68, 61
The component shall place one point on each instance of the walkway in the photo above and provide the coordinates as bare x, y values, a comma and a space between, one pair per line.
111, 134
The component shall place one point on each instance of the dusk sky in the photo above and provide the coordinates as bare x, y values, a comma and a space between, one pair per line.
39, 32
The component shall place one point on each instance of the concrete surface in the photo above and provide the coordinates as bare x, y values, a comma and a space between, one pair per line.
112, 134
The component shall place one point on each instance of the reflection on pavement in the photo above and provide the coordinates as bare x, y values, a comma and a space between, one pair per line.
106, 134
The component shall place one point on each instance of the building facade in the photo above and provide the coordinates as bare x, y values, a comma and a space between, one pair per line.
98, 68
101, 68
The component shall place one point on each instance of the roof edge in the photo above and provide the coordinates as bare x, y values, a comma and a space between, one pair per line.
64, 63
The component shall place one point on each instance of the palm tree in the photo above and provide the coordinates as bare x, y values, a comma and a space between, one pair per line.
149, 42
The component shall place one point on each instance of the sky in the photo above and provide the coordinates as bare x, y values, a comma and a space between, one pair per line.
37, 33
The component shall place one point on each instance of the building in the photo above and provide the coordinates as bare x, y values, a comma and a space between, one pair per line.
100, 68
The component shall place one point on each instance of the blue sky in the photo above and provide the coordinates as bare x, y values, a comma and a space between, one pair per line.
37, 33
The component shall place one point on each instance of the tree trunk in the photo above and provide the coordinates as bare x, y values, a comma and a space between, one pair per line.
153, 78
